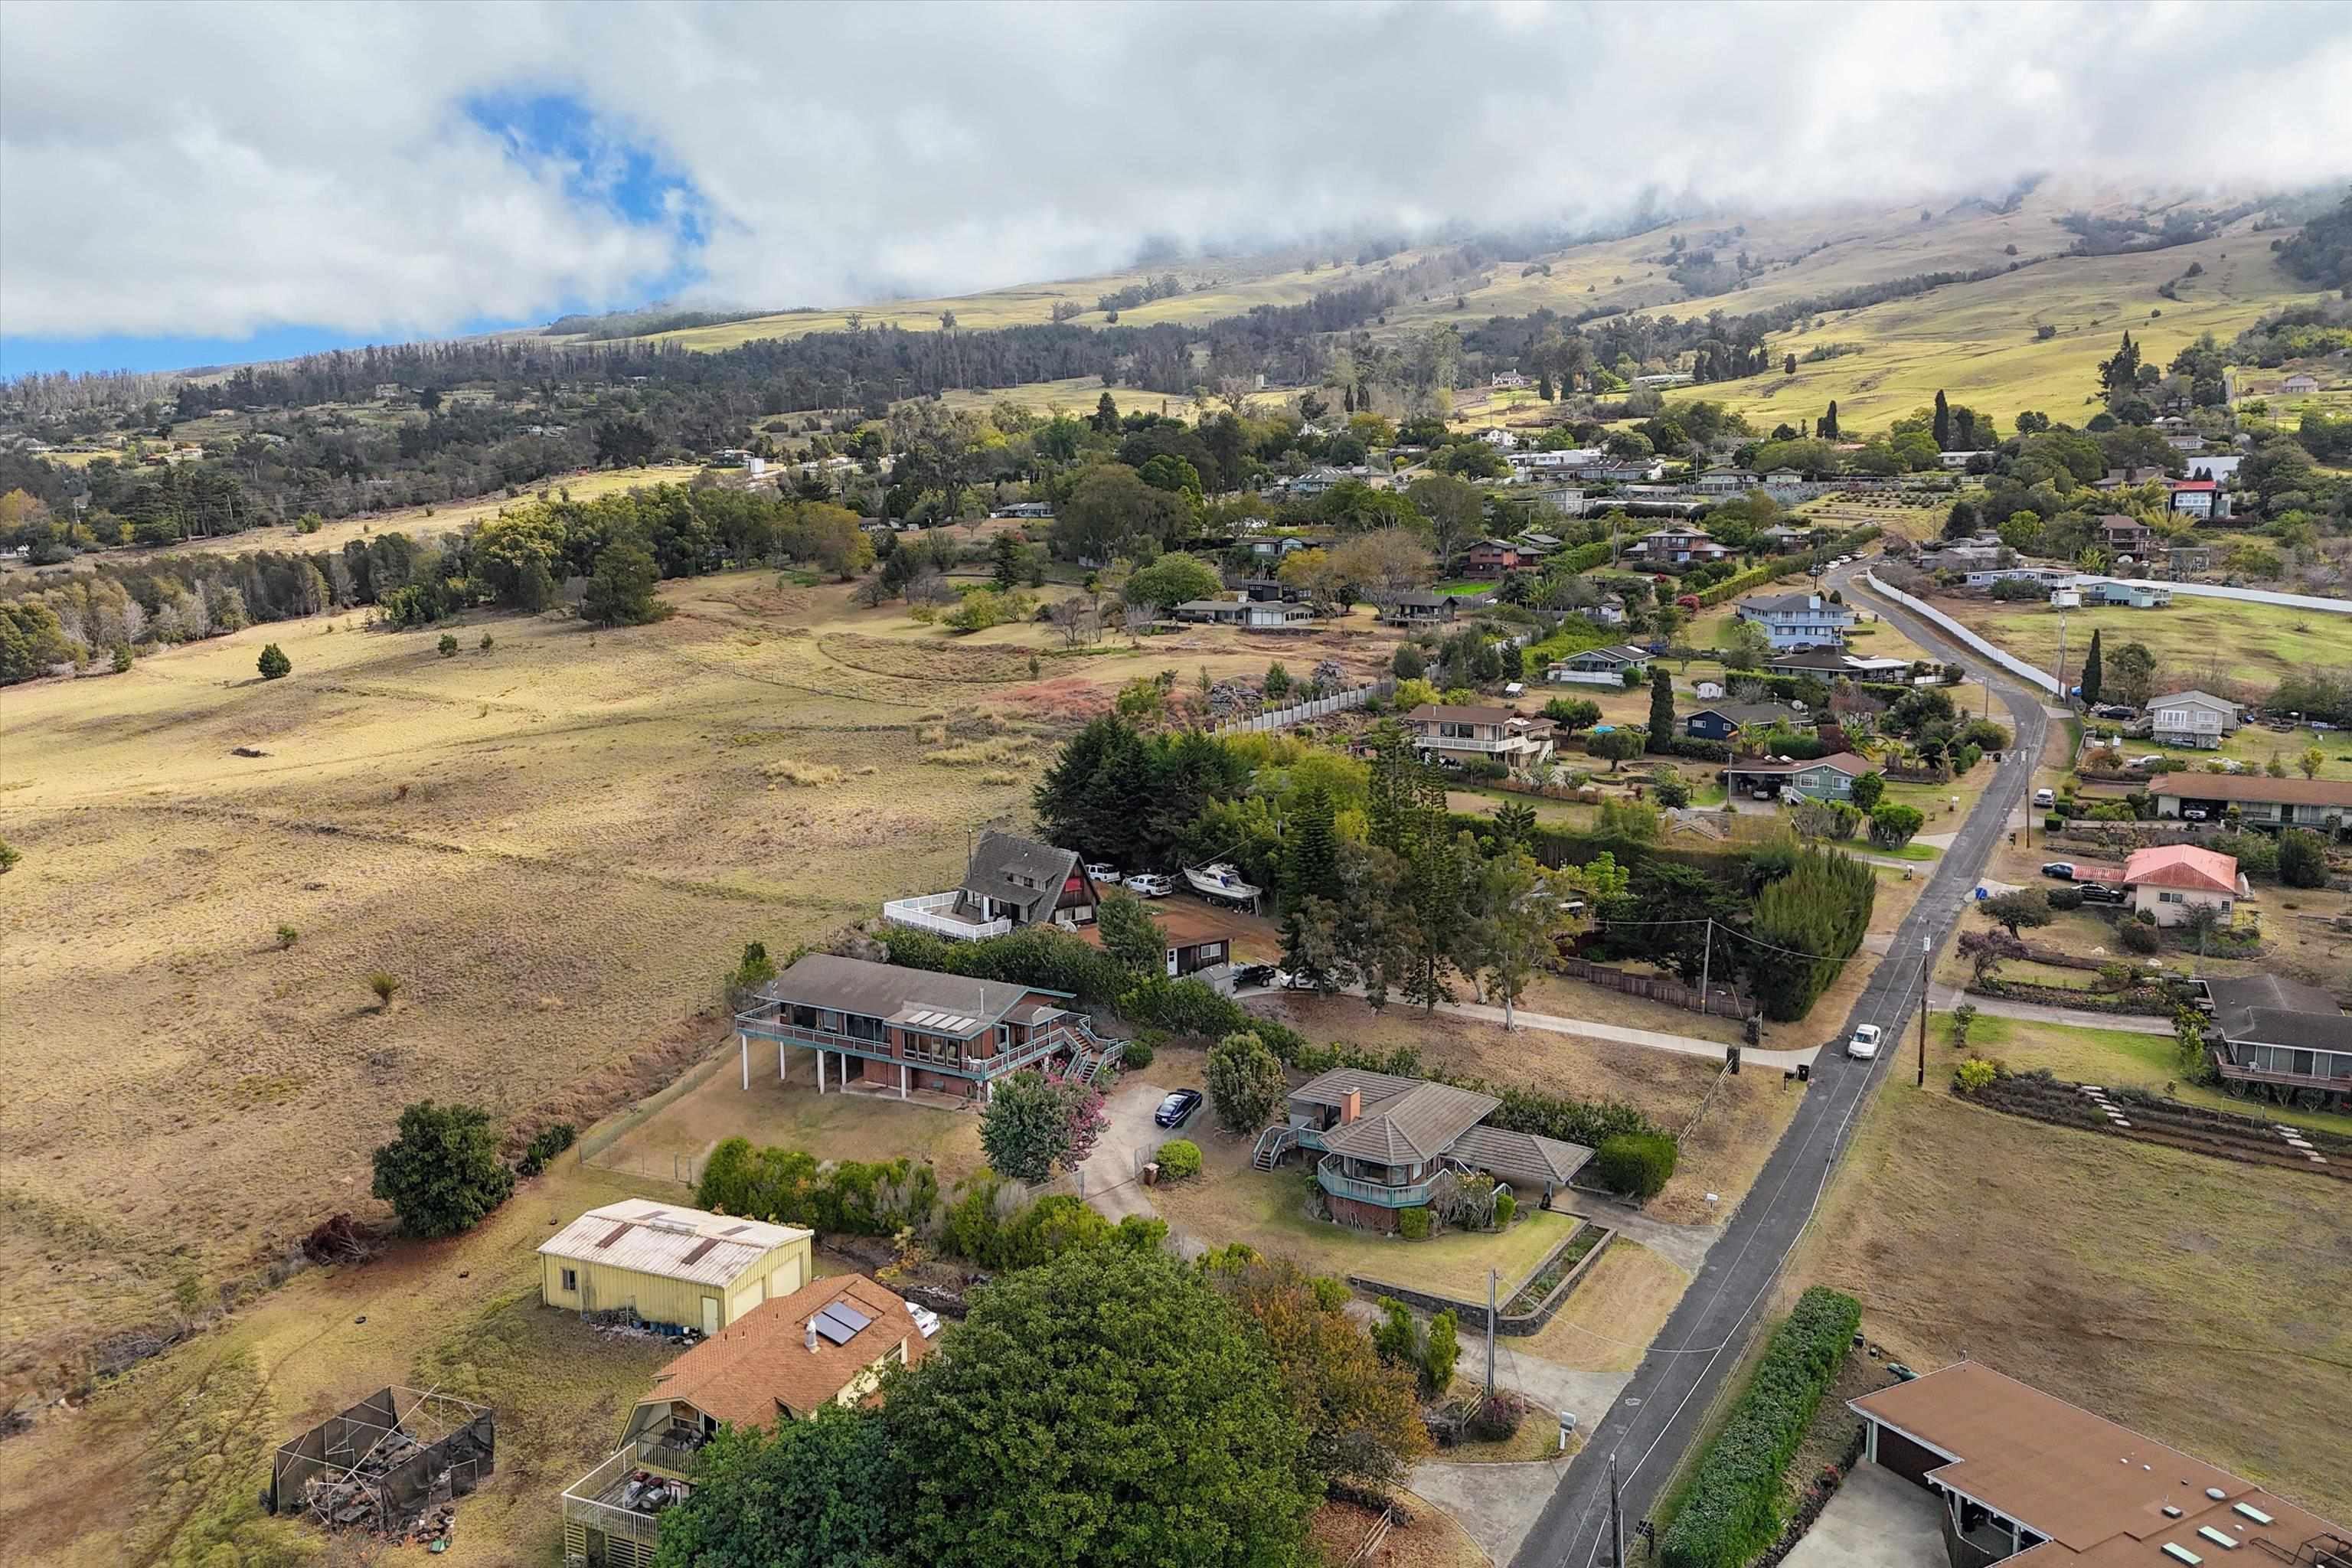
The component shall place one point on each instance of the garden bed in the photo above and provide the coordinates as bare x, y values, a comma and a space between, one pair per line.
1565, 1267
2139, 1005
2152, 1119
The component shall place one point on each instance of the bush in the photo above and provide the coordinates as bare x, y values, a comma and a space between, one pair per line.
790, 1188
2066, 897
386, 986
1246, 1082
1507, 1209
1823, 907
1139, 1054
2141, 939
288, 936
1413, 1224
274, 664
1732, 1509
1638, 1165
550, 1142
447, 645
1496, 1417
2303, 858
442, 1174
1179, 1158
1972, 1075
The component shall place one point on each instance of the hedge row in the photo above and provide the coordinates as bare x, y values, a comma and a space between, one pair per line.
1557, 847
1691, 746
1759, 576
1732, 1510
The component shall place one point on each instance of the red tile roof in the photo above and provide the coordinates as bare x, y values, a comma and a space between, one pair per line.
2182, 866
761, 1360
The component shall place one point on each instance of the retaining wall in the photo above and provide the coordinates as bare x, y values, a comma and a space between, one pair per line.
1472, 1314
2041, 678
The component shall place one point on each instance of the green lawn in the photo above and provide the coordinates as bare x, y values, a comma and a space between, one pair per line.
2195, 641
2255, 746
1266, 1209
1464, 586
1909, 852
2111, 1059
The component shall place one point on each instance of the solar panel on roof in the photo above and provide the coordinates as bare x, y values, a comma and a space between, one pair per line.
833, 1331
848, 1316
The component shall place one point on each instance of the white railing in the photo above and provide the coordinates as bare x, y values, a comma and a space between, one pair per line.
917, 913
1300, 712
2041, 679
1582, 677
1508, 743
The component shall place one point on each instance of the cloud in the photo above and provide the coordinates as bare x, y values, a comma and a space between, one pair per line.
222, 170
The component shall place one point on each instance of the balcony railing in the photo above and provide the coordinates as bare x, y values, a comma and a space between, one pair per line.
923, 914
1469, 743
1076, 1035
583, 1501
1331, 1174
2230, 1070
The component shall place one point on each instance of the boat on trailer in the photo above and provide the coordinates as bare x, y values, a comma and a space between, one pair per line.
1222, 884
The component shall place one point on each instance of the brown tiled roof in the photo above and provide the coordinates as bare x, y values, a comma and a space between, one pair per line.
1419, 1124
2182, 866
2254, 786
761, 1360
2097, 1489
1520, 1158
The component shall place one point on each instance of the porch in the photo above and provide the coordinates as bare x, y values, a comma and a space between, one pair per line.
611, 1515
937, 913
1357, 1179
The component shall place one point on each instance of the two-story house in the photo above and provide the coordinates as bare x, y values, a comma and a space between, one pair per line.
2280, 1034
2195, 718
2125, 535
2200, 498
1678, 547
1466, 734
1497, 555
1724, 481
1599, 666
2323, 805
1011, 882
1798, 620
1383, 1143
878, 1028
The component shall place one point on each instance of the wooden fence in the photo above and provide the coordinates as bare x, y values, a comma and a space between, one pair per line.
1673, 993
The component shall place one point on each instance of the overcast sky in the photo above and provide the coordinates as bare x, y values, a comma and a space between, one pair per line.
218, 181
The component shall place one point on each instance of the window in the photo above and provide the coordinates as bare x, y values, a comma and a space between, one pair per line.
2169, 898
572, 1281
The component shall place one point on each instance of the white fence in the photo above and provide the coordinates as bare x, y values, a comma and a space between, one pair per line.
917, 913
2041, 679
1300, 712
2245, 595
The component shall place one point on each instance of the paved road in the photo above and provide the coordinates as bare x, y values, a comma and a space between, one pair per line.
1658, 1415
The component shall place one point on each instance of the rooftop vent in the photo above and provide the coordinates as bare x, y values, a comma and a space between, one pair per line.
2215, 1493
2172, 1510
2180, 1553
2257, 1515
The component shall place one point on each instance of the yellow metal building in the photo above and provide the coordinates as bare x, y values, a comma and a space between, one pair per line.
670, 1264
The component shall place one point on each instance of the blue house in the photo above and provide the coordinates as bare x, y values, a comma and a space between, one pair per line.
1798, 620
1728, 720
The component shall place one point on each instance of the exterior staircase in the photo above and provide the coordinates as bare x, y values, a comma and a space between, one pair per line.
1272, 1145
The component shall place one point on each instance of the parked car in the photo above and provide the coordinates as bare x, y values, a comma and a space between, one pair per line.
2100, 893
2194, 813
2112, 711
1270, 977
1865, 1043
1104, 873
2063, 870
1149, 885
2148, 761
1178, 1106
2045, 797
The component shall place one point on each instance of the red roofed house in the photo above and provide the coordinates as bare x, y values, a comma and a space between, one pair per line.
2194, 498
2169, 880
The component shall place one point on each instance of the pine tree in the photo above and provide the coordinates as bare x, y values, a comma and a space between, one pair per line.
1661, 709
1828, 422
1943, 430
2093, 671
1310, 856
1106, 414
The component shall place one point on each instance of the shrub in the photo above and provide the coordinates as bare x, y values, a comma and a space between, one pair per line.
1823, 907
1732, 1509
1179, 1158
1638, 1165
1139, 1054
274, 664
1972, 1075
447, 645
550, 1142
2068, 897
442, 1174
2141, 939
386, 986
487, 642
1496, 1417
2303, 858
1443, 1347
788, 1186
1507, 1208
288, 936
1413, 1224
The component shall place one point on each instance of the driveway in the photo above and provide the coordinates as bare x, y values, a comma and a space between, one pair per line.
1110, 1175
1877, 1520
1948, 998
1497, 1504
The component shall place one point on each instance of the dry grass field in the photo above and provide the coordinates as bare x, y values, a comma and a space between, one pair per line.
2193, 641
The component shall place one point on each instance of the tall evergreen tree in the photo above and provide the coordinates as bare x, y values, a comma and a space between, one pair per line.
1661, 709
1828, 422
1943, 430
1310, 856
2093, 670
1106, 414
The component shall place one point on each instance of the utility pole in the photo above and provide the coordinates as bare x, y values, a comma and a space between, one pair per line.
1616, 1519
1705, 965
1490, 1333
1925, 950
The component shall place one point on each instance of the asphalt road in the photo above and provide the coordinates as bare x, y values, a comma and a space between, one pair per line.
1657, 1415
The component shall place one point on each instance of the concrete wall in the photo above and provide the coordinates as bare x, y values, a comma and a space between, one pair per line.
2041, 678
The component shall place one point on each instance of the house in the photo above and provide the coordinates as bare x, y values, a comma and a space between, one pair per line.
827, 1343
1726, 481
1534, 542
2134, 595
670, 1264
1798, 620
2065, 598
1013, 881
1783, 539
1200, 938
1025, 508
2119, 479
1957, 462
1466, 734
1629, 470
2047, 576
2170, 880
2183, 559
1783, 479
2195, 718
1212, 612
2125, 535
2323, 805
1825, 778
1557, 459
1820, 663
2022, 1476
1509, 380
1419, 609
2279, 1033
1599, 666
1678, 546
1609, 611
1729, 721
2195, 497
2301, 384
879, 1028
1501, 440
1497, 555
1384, 1143
2190, 442
1315, 481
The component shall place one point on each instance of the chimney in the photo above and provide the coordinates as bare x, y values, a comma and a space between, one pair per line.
1351, 1107
808, 1335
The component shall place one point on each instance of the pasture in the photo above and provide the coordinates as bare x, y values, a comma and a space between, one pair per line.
2194, 640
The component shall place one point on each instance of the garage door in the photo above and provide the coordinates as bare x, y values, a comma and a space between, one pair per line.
1910, 1460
